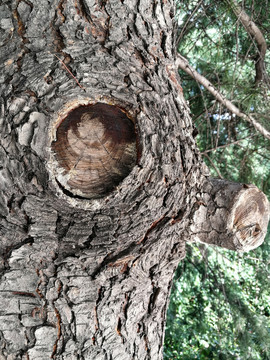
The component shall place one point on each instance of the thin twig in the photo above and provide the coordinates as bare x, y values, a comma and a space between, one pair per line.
253, 30
62, 62
179, 37
214, 166
183, 64
226, 145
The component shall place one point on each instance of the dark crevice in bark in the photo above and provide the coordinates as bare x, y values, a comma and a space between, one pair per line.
10, 202
163, 44
59, 45
24, 294
68, 193
111, 259
87, 244
62, 229
59, 19
155, 225
182, 154
21, 33
101, 292
178, 217
153, 298
100, 31
146, 341
56, 349
84, 11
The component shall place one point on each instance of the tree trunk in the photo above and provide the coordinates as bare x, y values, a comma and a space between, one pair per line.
87, 259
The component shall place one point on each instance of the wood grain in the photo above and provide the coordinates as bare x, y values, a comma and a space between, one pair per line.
96, 147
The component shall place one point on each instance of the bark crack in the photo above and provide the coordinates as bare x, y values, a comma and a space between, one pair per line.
58, 324
21, 32
160, 222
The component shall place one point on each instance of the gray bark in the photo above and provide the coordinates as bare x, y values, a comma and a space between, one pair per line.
90, 278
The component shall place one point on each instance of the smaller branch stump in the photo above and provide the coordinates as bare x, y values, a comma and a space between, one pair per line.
231, 215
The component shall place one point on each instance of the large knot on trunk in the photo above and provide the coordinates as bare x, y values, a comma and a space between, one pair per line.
94, 149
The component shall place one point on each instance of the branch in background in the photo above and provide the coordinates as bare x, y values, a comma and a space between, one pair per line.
214, 166
183, 64
253, 30
179, 37
226, 145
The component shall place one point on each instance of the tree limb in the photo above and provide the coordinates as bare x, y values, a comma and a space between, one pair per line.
182, 63
253, 30
214, 166
226, 145
240, 219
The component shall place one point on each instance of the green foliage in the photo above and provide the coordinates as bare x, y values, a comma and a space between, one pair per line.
220, 306
218, 46
220, 300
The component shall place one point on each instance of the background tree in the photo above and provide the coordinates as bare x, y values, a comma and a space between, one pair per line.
230, 291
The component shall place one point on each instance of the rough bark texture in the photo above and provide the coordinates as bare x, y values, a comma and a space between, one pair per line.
90, 279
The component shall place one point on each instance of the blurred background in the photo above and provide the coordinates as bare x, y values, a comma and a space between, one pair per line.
220, 300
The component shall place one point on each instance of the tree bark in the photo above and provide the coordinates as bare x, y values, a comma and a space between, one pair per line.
89, 278
231, 215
